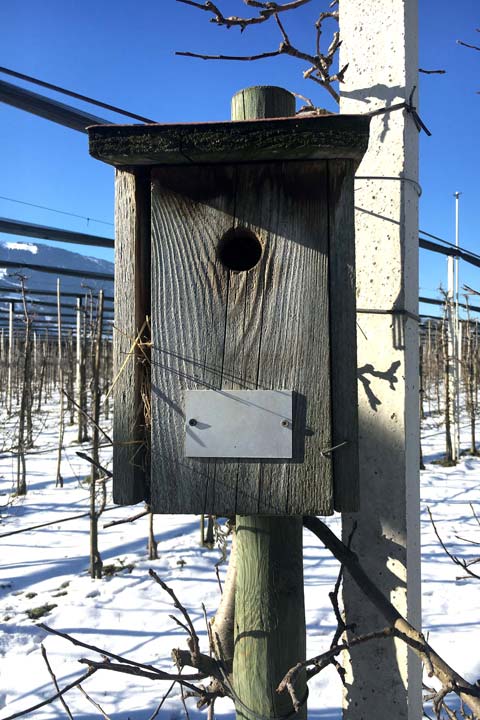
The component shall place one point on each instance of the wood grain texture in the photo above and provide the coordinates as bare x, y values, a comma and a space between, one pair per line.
132, 305
266, 328
191, 208
265, 101
343, 333
309, 138
269, 607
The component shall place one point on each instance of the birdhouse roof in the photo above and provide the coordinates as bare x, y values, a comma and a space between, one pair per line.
295, 138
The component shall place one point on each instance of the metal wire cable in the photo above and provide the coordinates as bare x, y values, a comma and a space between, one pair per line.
71, 93
60, 212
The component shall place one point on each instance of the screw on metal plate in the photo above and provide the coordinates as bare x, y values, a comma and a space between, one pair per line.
285, 423
193, 422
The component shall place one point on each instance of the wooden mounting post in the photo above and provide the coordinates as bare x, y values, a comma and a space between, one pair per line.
269, 602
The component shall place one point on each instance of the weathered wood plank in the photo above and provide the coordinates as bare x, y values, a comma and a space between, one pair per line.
266, 328
343, 333
191, 208
132, 305
295, 343
312, 138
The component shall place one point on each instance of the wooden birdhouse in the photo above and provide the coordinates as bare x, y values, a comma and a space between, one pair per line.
235, 352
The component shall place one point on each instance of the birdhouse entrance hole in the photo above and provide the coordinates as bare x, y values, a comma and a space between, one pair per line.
239, 249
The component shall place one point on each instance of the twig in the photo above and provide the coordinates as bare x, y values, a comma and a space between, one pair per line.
95, 704
95, 464
341, 626
182, 695
473, 47
52, 522
309, 104
475, 514
217, 573
432, 72
54, 679
36, 527
437, 701
89, 417
136, 669
320, 63
195, 644
260, 56
267, 9
209, 630
282, 29
441, 704
51, 699
211, 710
471, 542
309, 75
126, 520
180, 624
160, 705
159, 674
458, 561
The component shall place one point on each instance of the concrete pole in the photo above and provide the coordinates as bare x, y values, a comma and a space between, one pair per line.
10, 357
452, 350
78, 368
458, 334
379, 42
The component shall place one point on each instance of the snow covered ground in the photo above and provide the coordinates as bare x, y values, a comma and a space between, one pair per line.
128, 613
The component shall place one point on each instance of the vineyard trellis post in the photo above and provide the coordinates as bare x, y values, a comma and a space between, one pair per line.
60, 383
11, 309
453, 354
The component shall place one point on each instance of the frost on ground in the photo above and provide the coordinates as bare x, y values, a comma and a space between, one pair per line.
44, 577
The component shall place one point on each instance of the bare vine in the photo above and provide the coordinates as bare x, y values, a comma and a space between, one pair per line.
320, 63
215, 667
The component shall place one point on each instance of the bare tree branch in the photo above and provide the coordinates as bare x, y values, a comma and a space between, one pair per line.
266, 10
55, 683
51, 699
194, 644
136, 669
92, 702
473, 47
320, 662
86, 457
89, 417
159, 674
469, 694
260, 56
320, 63
162, 701
130, 519
458, 561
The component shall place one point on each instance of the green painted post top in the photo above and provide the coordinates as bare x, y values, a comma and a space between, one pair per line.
262, 101
339, 137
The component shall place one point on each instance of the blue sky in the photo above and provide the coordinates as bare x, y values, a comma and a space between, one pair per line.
124, 53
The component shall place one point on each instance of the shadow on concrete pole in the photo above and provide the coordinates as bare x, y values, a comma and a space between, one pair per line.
379, 42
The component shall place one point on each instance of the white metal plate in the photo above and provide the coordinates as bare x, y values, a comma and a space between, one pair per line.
238, 423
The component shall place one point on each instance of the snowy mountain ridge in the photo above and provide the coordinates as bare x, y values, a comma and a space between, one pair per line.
51, 257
